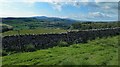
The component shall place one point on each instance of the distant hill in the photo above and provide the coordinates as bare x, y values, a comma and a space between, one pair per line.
52, 22
56, 19
38, 22
40, 18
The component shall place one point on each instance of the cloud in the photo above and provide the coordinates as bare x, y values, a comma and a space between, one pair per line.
106, 4
94, 16
16, 14
106, 7
33, 1
106, 0
57, 3
57, 6
97, 9
98, 15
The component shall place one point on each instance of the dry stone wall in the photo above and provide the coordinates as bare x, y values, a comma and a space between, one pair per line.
42, 41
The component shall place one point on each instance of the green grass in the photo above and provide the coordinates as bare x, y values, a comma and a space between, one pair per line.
97, 52
33, 31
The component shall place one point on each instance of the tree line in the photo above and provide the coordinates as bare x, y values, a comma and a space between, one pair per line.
94, 25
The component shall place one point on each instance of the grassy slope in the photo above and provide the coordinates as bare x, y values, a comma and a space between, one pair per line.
34, 31
97, 52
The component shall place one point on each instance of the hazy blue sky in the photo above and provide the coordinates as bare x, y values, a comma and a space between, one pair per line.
74, 9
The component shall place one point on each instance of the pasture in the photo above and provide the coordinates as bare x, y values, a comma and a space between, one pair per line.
101, 51
33, 31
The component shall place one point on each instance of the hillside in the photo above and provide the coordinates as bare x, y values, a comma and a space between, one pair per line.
97, 52
43, 24
5, 27
37, 22
55, 22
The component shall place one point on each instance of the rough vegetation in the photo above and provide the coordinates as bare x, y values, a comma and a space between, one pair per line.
97, 52
5, 27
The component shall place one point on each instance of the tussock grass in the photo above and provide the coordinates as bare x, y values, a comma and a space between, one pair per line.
102, 51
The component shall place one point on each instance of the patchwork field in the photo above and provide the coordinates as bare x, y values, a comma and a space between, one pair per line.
97, 52
33, 31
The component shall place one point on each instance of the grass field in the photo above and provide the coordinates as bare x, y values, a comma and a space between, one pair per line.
33, 31
97, 52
